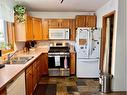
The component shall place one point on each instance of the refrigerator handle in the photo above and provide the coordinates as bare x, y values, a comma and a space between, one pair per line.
90, 43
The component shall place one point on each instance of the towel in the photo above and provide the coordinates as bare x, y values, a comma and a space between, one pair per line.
65, 63
57, 60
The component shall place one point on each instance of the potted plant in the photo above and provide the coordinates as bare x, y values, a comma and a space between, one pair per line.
19, 11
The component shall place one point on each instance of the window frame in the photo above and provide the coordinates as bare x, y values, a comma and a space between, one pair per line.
10, 37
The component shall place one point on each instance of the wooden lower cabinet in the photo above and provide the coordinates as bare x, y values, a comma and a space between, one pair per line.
34, 75
35, 71
72, 63
44, 62
3, 92
29, 80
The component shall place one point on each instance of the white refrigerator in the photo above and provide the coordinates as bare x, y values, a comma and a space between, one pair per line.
88, 52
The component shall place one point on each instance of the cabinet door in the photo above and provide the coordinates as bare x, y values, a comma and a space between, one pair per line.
90, 21
45, 63
37, 29
20, 29
29, 32
34, 75
38, 72
17, 85
80, 21
23, 31
53, 23
72, 30
3, 92
45, 34
72, 63
64, 23
29, 81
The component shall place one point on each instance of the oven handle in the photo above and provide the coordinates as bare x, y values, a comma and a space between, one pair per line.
59, 55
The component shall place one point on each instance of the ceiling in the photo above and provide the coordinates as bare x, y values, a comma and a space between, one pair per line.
66, 6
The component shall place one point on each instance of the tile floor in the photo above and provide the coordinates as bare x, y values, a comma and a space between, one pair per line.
74, 86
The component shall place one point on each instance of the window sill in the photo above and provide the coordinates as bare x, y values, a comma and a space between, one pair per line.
7, 51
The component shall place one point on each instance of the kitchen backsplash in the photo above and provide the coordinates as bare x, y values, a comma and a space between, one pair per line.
44, 45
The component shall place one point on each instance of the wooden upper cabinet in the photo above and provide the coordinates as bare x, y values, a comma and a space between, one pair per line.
64, 23
58, 23
80, 21
53, 23
45, 34
37, 28
90, 21
85, 21
72, 29
23, 31
29, 32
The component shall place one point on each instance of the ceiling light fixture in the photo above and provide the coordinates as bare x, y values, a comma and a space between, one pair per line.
61, 1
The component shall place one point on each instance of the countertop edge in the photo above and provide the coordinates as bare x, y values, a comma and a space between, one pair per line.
20, 71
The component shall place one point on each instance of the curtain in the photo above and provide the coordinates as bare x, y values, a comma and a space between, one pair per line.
6, 10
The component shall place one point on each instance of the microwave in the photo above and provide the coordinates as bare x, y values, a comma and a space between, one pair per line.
57, 34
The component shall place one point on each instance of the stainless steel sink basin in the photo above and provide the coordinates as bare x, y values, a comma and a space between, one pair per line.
19, 60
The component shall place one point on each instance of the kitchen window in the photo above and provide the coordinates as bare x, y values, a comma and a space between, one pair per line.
3, 36
6, 36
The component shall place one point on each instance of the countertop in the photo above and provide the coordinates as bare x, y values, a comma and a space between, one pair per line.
10, 71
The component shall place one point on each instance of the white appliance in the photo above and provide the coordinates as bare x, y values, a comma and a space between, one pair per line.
88, 52
59, 34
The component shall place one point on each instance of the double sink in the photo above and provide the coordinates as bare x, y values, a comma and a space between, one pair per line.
19, 60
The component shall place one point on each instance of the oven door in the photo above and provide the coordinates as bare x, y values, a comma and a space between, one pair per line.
52, 64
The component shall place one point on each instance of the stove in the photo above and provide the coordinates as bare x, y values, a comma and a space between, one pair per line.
59, 60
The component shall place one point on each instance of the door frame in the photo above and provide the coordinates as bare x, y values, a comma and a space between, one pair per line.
103, 37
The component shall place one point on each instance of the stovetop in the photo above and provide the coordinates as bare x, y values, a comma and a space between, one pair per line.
59, 49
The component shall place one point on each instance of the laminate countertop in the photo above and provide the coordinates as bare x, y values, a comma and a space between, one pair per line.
10, 71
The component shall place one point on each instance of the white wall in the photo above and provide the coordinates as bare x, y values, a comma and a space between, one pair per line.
107, 8
118, 58
58, 14
19, 45
6, 10
120, 64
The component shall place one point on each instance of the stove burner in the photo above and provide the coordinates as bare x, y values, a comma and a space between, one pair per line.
58, 49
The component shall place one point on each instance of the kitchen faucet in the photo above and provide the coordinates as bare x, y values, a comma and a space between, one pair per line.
10, 56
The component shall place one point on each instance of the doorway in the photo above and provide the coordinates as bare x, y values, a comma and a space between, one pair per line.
107, 43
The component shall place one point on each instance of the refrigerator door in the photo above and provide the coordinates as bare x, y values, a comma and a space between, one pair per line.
94, 50
82, 42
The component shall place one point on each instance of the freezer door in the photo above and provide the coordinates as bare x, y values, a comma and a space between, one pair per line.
87, 68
